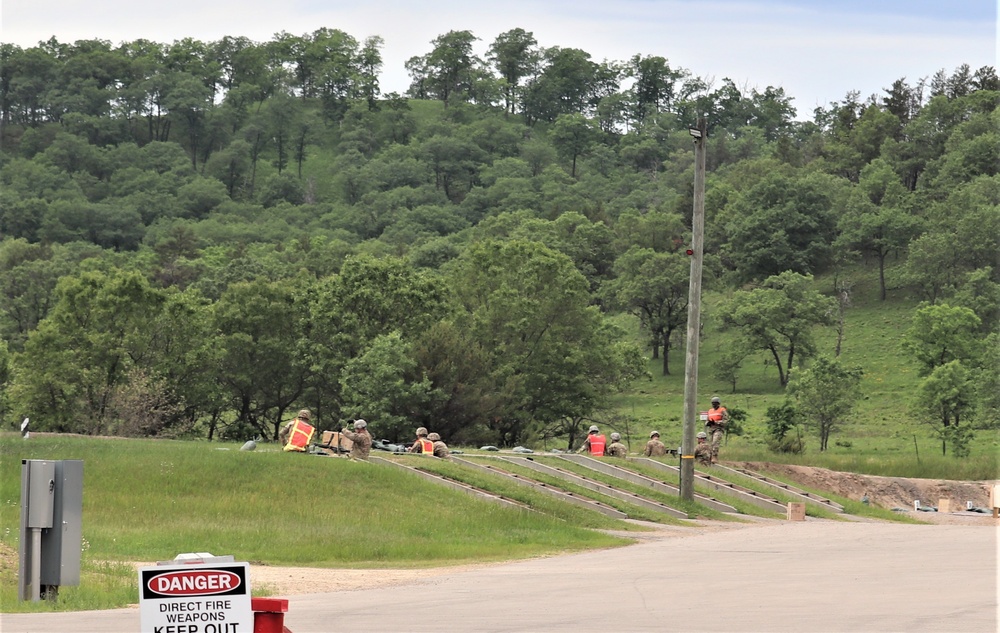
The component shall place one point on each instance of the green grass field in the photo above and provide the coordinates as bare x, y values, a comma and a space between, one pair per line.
149, 500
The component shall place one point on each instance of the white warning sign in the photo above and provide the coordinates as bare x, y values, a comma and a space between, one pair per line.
204, 598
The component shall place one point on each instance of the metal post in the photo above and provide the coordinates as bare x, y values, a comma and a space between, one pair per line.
694, 313
36, 564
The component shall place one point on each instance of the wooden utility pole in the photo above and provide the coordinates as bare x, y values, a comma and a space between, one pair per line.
699, 133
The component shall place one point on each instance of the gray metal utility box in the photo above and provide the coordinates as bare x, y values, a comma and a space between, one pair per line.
51, 526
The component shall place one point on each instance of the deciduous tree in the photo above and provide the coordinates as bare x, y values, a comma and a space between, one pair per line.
781, 223
940, 334
654, 287
259, 325
384, 386
573, 135
566, 85
826, 393
779, 317
878, 219
449, 71
549, 354
944, 399
515, 55
99, 330
370, 298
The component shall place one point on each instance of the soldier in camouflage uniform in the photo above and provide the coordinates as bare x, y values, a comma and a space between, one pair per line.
440, 448
616, 448
703, 451
362, 441
654, 447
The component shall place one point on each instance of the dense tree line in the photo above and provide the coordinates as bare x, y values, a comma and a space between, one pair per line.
200, 237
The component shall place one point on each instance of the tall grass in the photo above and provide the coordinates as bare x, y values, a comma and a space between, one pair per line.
103, 585
147, 500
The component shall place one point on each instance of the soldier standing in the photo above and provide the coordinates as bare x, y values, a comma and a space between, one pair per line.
716, 424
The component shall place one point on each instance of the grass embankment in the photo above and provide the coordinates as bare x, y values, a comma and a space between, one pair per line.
632, 510
147, 500
536, 500
694, 509
743, 506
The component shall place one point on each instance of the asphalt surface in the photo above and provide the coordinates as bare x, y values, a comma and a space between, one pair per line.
818, 575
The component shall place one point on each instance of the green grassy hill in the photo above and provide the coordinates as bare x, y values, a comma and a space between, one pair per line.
884, 437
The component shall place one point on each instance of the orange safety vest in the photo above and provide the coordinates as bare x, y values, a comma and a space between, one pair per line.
299, 436
716, 415
426, 446
597, 443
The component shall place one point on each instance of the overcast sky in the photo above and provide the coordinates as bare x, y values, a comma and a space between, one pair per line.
817, 50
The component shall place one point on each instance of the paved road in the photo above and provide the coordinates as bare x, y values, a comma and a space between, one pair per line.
821, 576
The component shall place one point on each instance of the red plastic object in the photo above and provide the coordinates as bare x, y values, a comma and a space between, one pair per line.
269, 615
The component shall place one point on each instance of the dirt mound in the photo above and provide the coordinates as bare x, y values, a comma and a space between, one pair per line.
883, 492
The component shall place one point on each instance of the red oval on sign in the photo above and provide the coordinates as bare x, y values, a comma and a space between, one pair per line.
194, 582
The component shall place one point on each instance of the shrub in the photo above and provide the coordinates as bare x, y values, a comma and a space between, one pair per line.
781, 421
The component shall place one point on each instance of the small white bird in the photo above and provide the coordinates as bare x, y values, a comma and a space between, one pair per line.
24, 428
